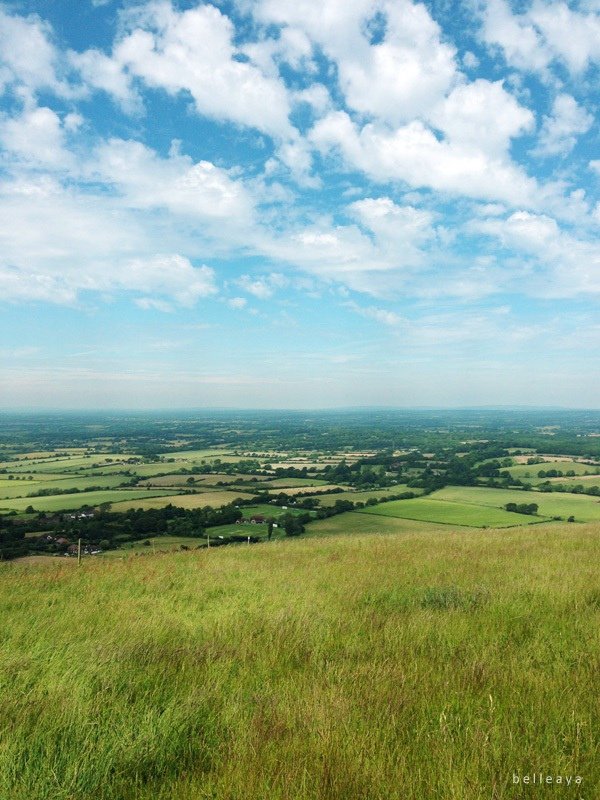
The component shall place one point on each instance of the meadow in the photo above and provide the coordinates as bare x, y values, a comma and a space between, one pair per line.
529, 472
582, 507
359, 496
69, 502
429, 509
264, 672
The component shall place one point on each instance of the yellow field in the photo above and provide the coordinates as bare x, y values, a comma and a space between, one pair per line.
214, 499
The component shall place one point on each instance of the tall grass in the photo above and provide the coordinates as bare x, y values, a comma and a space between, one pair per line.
404, 667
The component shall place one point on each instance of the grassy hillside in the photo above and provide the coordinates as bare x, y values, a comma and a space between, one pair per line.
403, 667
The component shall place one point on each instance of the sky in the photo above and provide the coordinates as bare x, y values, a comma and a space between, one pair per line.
299, 204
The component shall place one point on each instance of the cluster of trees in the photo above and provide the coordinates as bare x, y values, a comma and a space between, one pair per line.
522, 508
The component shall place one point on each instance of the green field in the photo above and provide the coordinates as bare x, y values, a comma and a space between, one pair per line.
583, 508
268, 510
215, 499
529, 472
70, 502
429, 509
22, 488
290, 483
158, 544
327, 500
71, 463
355, 522
263, 672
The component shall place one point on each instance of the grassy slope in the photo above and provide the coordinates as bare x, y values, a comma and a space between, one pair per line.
367, 668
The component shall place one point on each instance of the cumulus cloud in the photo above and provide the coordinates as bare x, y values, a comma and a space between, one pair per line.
559, 132
27, 53
145, 180
561, 264
414, 155
544, 33
36, 137
193, 51
395, 78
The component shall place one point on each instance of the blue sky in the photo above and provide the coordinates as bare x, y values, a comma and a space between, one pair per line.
291, 203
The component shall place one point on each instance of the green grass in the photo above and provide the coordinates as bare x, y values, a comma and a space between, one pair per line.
529, 472
268, 510
355, 522
69, 502
429, 509
70, 463
158, 544
22, 488
583, 508
400, 667
285, 483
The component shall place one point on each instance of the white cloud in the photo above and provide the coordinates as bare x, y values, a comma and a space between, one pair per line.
57, 243
262, 287
403, 230
146, 181
99, 71
193, 51
482, 116
546, 32
382, 315
35, 137
393, 79
414, 155
170, 275
559, 132
237, 303
27, 52
152, 304
561, 264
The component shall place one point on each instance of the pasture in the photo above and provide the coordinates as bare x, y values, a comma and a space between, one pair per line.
583, 508
71, 502
430, 509
529, 472
23, 488
354, 667
327, 500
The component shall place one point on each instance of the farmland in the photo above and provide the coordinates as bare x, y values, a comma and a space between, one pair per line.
585, 509
146, 500
430, 509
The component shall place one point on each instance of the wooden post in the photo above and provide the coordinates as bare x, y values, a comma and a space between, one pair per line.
208, 541
78, 552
